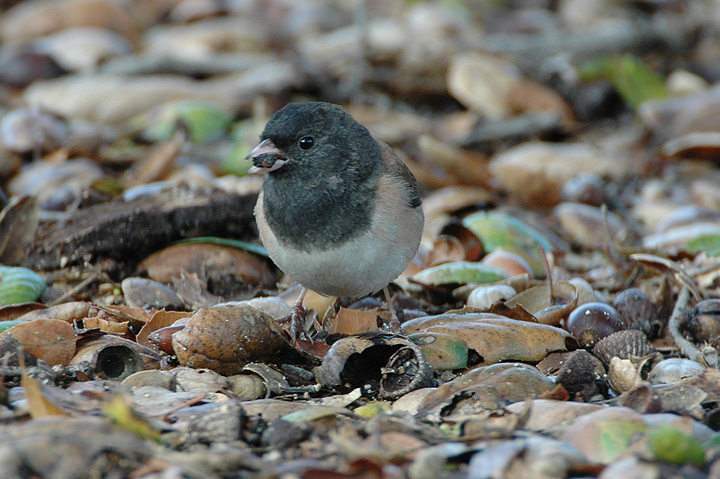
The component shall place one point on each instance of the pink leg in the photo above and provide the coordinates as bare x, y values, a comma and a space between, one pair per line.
394, 321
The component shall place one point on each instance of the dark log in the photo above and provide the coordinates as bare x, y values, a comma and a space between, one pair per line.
127, 231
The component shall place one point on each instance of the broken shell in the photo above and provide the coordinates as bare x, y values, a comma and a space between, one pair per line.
406, 370
272, 380
226, 337
111, 357
623, 374
623, 345
674, 370
382, 364
483, 297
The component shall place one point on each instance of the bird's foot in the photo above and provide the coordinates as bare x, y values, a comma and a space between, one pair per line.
294, 322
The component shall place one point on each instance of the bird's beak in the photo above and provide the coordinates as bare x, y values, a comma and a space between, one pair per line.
266, 157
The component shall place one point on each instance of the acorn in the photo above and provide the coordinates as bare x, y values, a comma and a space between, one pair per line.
591, 322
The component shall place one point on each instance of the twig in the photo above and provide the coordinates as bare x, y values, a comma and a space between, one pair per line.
687, 348
74, 290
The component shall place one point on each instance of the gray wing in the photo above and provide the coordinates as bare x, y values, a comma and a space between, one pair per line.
394, 165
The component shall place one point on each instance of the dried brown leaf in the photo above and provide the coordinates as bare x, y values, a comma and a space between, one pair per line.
51, 340
353, 321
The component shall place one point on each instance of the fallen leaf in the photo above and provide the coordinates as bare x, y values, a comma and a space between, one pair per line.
40, 406
353, 321
496, 338
51, 340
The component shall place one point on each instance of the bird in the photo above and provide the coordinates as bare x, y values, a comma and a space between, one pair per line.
339, 212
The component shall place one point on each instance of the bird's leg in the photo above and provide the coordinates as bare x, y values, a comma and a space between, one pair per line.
297, 316
394, 321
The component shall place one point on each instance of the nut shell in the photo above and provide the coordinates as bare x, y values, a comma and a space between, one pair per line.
623, 345
225, 338
383, 364
600, 318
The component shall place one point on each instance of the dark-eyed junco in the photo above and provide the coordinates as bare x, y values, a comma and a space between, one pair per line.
339, 212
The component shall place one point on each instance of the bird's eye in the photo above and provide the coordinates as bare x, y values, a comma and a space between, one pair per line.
306, 142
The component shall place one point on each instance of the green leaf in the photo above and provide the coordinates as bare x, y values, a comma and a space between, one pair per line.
634, 80
615, 436
203, 120
460, 272
670, 444
109, 186
709, 243
373, 408
244, 245
498, 231
235, 162
5, 325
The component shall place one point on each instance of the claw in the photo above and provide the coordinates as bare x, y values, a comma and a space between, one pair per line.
296, 319
297, 322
